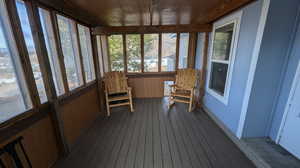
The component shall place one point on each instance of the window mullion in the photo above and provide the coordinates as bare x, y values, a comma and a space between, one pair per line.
94, 55
24, 56
59, 51
91, 51
77, 42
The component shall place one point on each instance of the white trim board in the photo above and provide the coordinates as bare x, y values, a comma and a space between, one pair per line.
296, 80
255, 54
236, 19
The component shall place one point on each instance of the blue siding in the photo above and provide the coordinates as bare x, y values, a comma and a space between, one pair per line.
230, 114
286, 87
270, 67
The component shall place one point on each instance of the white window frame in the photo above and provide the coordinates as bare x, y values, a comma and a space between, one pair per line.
236, 19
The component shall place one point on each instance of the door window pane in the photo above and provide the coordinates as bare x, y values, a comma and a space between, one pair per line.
151, 52
218, 77
14, 96
168, 51
116, 56
45, 19
67, 32
222, 42
86, 51
183, 50
26, 29
133, 47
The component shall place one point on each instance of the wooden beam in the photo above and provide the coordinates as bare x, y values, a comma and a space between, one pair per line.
223, 9
192, 50
152, 29
68, 9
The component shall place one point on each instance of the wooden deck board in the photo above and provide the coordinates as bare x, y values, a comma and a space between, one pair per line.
155, 137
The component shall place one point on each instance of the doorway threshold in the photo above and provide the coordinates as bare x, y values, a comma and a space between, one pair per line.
273, 154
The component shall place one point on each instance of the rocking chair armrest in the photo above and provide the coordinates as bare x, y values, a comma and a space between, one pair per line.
172, 85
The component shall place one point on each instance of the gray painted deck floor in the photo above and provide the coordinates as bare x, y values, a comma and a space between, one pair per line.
153, 137
272, 154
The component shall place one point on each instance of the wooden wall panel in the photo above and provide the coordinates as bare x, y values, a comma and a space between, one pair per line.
79, 114
39, 143
148, 87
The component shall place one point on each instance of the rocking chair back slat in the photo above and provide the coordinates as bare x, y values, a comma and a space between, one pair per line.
186, 78
116, 82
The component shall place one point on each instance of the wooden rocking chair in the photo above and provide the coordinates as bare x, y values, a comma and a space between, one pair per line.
183, 89
117, 92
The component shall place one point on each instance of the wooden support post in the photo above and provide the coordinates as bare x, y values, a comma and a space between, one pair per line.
204, 69
159, 52
192, 50
98, 73
105, 56
125, 52
142, 52
41, 49
177, 50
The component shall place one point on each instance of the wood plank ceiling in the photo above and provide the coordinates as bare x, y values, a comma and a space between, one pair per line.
151, 12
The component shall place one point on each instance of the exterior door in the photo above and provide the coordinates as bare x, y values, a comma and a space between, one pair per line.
290, 139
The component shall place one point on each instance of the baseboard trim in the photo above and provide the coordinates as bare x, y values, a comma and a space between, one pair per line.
249, 153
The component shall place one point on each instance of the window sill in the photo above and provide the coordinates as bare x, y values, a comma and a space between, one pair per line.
22, 121
223, 99
63, 99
